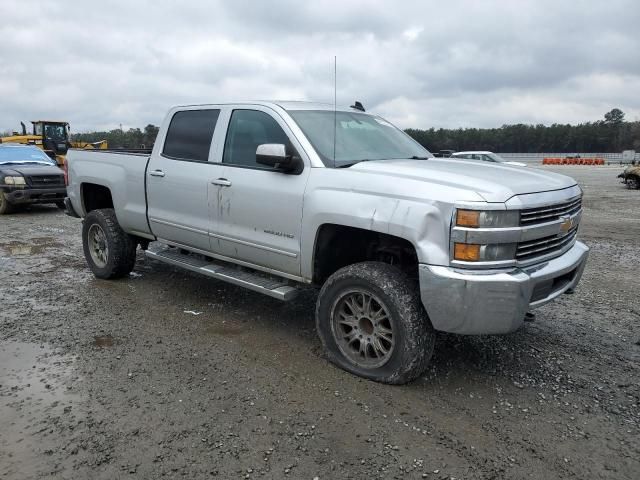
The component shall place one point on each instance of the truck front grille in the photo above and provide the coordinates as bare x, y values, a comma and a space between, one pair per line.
550, 213
44, 181
545, 246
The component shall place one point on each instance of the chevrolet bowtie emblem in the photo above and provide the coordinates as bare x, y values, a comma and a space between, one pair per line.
567, 223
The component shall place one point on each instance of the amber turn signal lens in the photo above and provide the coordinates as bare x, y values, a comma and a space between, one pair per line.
468, 218
466, 252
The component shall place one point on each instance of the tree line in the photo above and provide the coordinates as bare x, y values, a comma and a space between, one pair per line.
610, 135
119, 138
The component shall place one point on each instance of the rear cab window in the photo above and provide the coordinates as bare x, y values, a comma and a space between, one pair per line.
190, 134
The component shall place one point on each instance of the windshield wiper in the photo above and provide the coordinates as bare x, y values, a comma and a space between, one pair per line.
351, 164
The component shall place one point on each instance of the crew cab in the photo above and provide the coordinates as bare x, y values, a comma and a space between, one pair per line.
273, 196
28, 176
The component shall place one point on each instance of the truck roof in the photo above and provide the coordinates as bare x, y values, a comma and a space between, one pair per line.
285, 104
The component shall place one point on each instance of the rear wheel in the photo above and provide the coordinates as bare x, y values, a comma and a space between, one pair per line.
633, 182
109, 251
372, 323
5, 205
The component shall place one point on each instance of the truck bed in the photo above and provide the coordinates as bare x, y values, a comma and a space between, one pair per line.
123, 173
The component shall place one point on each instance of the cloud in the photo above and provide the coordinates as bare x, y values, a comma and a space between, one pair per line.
421, 64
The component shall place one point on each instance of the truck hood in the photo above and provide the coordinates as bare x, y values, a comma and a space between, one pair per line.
27, 169
493, 182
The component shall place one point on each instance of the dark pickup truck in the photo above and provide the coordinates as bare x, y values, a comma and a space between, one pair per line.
28, 176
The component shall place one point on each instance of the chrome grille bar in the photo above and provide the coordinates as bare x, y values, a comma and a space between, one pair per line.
544, 246
550, 212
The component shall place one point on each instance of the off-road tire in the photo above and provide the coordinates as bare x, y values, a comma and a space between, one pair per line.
633, 182
5, 205
121, 256
413, 333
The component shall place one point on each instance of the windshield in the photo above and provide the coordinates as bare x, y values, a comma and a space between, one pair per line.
56, 132
24, 155
358, 137
496, 158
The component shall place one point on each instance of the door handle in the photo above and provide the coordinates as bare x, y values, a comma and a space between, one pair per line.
223, 182
156, 173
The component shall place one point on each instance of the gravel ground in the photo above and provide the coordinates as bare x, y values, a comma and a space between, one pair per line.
117, 379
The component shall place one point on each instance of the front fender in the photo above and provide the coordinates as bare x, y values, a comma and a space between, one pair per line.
425, 224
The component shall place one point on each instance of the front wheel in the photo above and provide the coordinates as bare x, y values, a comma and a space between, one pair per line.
372, 323
633, 182
109, 250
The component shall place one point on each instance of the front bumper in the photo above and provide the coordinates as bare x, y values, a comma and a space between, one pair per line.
21, 196
467, 302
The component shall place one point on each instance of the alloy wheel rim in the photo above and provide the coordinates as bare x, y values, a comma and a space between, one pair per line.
362, 328
98, 248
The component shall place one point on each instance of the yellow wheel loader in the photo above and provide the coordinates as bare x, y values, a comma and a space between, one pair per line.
52, 137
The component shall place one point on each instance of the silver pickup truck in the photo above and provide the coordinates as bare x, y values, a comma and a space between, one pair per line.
273, 196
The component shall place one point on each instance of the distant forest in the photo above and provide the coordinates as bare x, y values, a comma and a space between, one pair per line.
118, 138
612, 134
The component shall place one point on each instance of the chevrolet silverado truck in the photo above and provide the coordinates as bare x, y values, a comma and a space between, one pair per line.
273, 196
28, 176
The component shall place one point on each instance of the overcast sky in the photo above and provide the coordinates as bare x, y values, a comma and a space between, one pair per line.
419, 63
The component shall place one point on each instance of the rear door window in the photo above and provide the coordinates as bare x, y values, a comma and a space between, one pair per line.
189, 135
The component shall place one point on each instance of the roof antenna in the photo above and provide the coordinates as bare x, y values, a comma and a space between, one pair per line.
335, 107
357, 106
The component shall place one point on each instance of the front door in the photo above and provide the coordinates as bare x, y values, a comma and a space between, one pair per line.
259, 212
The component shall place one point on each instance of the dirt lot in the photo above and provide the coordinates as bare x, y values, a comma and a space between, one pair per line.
119, 380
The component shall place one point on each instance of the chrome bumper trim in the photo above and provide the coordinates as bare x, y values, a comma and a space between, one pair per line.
468, 302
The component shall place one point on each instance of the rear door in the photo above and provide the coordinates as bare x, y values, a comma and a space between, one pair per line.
179, 178
259, 212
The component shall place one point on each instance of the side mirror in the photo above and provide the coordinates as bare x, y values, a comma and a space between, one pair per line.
275, 155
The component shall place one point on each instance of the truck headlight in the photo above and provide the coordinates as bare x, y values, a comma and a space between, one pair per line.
487, 218
14, 181
469, 252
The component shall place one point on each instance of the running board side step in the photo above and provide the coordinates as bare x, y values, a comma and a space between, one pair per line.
255, 281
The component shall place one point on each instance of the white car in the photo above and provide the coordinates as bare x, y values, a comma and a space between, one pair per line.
486, 157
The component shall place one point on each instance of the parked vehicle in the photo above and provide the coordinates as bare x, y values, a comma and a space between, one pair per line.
52, 137
444, 153
28, 176
631, 177
272, 196
486, 157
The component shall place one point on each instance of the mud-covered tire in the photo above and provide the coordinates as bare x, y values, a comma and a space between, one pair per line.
5, 205
413, 335
119, 256
633, 182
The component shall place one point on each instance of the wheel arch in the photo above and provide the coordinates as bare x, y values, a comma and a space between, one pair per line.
95, 196
336, 246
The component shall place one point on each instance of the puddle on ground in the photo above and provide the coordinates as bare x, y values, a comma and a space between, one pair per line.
35, 247
35, 388
33, 370
103, 341
24, 249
